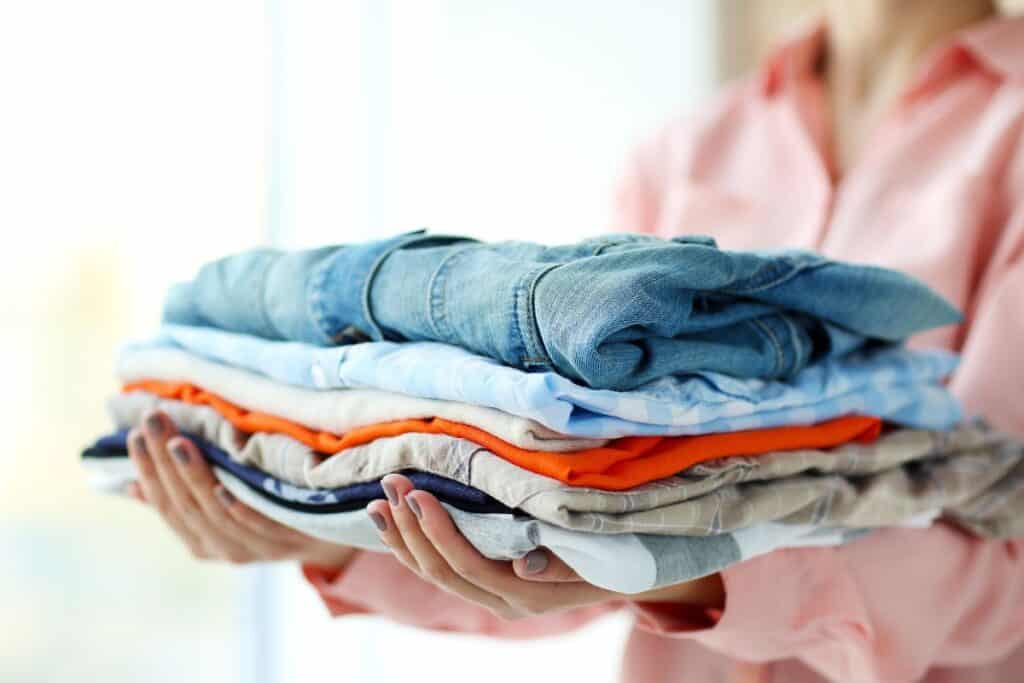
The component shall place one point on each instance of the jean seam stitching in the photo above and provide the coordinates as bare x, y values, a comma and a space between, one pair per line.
517, 327
600, 248
765, 331
533, 344
775, 282
321, 319
520, 338
802, 354
438, 315
264, 308
620, 240
375, 330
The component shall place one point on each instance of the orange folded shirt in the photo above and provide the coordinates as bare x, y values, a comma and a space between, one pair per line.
621, 464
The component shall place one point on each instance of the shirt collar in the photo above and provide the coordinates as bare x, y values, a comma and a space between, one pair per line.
795, 56
997, 44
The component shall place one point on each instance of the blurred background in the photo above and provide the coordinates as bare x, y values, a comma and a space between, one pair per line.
139, 139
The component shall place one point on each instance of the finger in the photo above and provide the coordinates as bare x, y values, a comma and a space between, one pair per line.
157, 429
218, 541
432, 565
196, 477
258, 524
214, 509
436, 528
541, 565
440, 532
261, 545
153, 491
401, 521
275, 541
380, 514
201, 486
497, 578
213, 502
146, 476
135, 491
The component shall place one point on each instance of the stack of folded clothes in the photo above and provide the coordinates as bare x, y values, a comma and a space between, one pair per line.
650, 411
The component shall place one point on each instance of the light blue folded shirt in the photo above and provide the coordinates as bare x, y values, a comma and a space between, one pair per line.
894, 383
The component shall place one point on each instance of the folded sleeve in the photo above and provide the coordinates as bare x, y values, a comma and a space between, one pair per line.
376, 583
317, 296
869, 610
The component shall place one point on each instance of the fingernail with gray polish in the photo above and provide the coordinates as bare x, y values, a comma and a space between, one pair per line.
378, 521
155, 425
391, 493
225, 497
415, 507
140, 445
181, 453
536, 561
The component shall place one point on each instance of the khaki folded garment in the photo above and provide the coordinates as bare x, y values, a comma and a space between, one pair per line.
973, 474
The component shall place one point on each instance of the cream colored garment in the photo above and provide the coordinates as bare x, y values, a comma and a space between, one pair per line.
976, 475
335, 411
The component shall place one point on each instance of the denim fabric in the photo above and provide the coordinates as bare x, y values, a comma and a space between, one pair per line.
613, 312
340, 499
318, 296
897, 384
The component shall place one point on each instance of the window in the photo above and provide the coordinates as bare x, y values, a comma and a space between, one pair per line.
141, 139
133, 150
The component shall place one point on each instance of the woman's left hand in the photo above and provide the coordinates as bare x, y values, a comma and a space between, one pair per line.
423, 537
176, 482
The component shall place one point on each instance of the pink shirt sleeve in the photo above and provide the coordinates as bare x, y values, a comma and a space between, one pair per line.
376, 583
870, 610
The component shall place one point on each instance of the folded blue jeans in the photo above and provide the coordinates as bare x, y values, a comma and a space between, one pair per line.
612, 312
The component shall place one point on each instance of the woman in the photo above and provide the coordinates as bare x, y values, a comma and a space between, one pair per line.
890, 133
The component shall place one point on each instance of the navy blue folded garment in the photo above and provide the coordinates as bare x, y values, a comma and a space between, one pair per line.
343, 499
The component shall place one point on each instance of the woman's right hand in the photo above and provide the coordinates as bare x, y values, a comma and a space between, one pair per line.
175, 480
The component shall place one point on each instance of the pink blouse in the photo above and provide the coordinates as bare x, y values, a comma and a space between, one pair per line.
939, 193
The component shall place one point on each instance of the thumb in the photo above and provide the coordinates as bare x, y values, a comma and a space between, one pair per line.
541, 565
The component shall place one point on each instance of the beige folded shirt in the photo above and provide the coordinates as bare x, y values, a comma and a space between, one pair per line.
973, 474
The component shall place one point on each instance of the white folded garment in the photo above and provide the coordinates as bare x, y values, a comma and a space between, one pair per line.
625, 563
